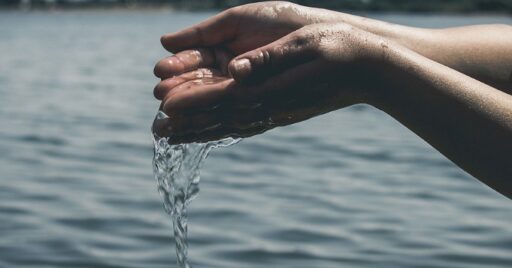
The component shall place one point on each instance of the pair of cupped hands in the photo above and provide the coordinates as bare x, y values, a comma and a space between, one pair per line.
258, 66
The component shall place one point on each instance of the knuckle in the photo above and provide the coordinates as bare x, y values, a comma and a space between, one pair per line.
305, 40
300, 39
266, 56
262, 57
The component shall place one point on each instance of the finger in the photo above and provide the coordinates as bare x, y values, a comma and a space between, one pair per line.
242, 120
183, 62
216, 131
289, 84
232, 118
233, 123
274, 58
211, 32
192, 95
197, 95
204, 75
237, 120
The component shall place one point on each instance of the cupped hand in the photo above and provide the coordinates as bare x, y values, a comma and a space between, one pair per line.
311, 71
231, 33
246, 27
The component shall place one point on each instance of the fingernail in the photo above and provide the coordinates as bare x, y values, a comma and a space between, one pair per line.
242, 68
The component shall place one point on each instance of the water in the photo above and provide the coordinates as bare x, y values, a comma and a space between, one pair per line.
351, 188
177, 171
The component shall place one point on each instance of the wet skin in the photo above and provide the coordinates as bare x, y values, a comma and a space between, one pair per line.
271, 64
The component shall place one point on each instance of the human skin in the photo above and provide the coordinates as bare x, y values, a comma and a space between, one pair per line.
483, 52
305, 66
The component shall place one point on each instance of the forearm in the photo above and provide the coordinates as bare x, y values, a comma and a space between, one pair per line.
466, 120
483, 52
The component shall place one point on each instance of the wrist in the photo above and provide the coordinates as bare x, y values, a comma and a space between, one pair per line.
399, 72
385, 64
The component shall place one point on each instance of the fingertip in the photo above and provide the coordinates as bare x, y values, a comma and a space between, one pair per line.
167, 42
158, 91
157, 71
167, 86
163, 40
168, 67
155, 93
240, 69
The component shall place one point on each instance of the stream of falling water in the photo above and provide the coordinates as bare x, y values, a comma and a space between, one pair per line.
177, 171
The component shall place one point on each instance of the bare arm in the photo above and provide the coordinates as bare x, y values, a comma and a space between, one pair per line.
291, 71
466, 120
483, 52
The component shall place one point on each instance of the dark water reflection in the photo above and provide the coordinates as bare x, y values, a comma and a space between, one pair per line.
349, 189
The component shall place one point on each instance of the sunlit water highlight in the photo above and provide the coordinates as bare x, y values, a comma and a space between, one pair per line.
177, 171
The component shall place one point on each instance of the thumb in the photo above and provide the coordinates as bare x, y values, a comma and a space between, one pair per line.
211, 32
272, 59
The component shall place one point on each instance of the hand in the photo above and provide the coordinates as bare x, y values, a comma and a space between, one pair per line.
322, 67
232, 32
247, 27
314, 70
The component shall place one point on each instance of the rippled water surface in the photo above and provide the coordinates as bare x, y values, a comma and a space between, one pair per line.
349, 189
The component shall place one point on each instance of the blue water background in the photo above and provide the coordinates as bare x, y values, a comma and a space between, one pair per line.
352, 188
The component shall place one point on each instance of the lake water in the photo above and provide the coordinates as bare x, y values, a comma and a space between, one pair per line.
352, 188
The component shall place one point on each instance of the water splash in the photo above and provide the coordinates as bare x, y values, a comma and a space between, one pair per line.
177, 171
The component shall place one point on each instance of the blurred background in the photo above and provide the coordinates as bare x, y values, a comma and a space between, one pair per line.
352, 188
500, 6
